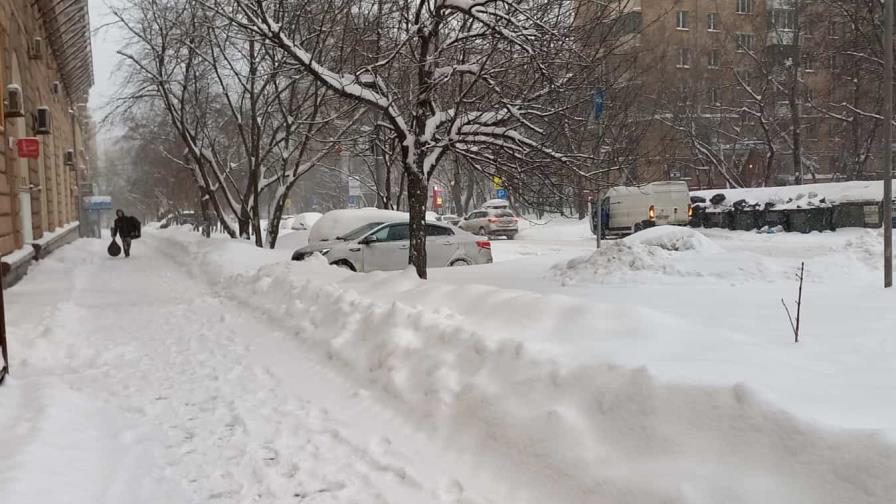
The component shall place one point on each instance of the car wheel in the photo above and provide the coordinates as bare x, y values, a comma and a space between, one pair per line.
481, 231
345, 265
460, 262
511, 236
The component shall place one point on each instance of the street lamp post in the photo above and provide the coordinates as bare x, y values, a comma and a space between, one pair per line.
888, 145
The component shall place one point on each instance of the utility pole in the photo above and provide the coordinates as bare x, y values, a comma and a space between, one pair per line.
888, 145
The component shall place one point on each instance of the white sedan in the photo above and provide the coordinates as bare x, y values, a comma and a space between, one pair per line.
379, 246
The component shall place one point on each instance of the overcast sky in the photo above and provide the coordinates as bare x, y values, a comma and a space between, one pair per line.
106, 41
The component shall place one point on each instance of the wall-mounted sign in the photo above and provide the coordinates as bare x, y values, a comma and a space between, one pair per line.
28, 148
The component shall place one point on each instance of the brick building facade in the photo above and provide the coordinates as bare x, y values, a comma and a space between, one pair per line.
745, 92
45, 54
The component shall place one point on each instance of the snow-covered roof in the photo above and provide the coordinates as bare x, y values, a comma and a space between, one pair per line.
788, 196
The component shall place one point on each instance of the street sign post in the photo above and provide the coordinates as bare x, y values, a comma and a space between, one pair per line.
501, 194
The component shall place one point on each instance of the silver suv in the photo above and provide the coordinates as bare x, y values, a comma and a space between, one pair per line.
491, 222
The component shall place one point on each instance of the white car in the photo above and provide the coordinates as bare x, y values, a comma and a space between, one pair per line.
384, 246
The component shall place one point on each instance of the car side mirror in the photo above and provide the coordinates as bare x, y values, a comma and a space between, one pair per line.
367, 240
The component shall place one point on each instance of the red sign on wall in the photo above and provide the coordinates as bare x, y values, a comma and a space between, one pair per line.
28, 147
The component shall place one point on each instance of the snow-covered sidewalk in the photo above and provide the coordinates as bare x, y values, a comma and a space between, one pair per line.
208, 370
134, 381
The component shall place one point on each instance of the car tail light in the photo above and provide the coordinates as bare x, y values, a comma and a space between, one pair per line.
484, 244
651, 212
690, 211
493, 219
516, 219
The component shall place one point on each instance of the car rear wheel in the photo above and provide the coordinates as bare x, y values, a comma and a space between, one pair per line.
481, 231
345, 265
459, 262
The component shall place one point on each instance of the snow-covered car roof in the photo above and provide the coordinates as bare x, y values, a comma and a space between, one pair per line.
337, 222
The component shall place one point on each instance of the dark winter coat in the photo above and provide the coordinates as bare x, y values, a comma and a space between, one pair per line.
126, 227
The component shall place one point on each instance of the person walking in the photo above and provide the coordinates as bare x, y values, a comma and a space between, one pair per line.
126, 227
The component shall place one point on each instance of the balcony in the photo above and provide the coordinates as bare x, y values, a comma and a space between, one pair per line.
68, 28
779, 37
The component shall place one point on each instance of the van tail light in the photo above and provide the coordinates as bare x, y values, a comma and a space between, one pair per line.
484, 244
690, 211
493, 219
651, 212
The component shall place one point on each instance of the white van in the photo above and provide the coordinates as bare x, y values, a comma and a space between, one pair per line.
632, 209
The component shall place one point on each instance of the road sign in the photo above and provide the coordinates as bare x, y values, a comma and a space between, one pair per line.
354, 187
501, 194
599, 96
497, 183
98, 202
28, 148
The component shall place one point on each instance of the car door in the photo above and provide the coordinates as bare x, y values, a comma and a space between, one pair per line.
389, 252
441, 246
466, 223
474, 222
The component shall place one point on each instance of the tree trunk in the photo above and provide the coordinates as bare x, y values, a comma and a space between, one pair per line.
417, 208
273, 231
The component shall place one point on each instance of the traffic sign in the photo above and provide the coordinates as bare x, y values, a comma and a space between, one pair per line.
599, 97
501, 194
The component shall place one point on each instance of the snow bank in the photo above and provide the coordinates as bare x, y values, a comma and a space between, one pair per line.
571, 431
337, 222
663, 254
674, 238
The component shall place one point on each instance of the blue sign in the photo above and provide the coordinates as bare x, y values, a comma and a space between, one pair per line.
501, 193
599, 96
98, 203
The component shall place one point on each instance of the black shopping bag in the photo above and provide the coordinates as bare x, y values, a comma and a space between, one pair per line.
114, 249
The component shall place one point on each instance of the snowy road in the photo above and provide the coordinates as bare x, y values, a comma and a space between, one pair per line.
134, 382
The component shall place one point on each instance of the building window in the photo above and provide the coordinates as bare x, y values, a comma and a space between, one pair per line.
712, 21
833, 29
715, 58
681, 20
744, 42
714, 96
783, 19
744, 6
807, 63
684, 57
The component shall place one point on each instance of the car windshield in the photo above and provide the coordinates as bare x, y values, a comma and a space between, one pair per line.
358, 232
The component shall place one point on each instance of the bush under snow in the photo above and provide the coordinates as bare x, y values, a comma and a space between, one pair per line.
674, 238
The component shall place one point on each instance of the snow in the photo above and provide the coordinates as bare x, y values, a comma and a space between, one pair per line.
337, 222
305, 221
674, 238
47, 237
833, 192
665, 375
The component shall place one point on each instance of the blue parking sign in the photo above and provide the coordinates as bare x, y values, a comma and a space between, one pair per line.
501, 193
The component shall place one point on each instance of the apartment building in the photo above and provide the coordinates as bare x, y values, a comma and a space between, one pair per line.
45, 75
745, 92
